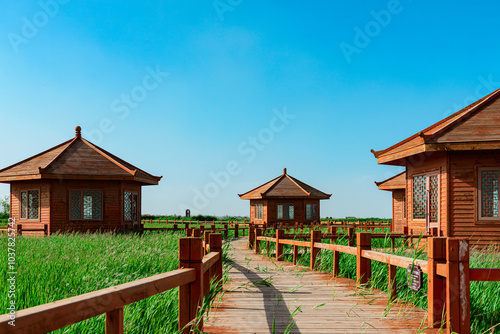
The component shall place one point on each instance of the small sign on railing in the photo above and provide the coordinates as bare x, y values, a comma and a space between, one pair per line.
414, 277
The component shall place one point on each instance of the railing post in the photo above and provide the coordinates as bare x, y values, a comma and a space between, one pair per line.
258, 233
279, 247
457, 285
114, 321
196, 232
189, 231
363, 267
206, 237
392, 283
315, 237
216, 246
226, 230
190, 295
336, 267
351, 237
436, 294
295, 254
236, 232
251, 236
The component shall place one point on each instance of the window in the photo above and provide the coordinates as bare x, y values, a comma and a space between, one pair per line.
311, 211
285, 211
488, 193
426, 198
30, 204
85, 204
130, 205
259, 211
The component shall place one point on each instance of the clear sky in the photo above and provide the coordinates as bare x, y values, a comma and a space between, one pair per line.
236, 90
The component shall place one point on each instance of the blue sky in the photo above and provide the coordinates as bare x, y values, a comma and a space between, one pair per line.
236, 90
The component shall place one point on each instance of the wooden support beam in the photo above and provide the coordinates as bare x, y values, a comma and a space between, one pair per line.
216, 246
392, 283
236, 231
457, 285
258, 233
336, 260
190, 295
363, 267
279, 247
114, 321
436, 294
315, 237
251, 236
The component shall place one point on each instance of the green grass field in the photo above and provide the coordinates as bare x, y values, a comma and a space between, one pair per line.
63, 266
485, 296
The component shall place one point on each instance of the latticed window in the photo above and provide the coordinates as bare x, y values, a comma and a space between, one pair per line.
85, 204
419, 196
127, 205
311, 211
285, 211
426, 197
30, 207
259, 211
488, 193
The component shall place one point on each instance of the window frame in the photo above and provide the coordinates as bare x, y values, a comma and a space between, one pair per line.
27, 190
478, 202
81, 190
133, 193
428, 175
314, 211
285, 205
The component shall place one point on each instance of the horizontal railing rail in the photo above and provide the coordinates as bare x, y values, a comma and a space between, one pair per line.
193, 279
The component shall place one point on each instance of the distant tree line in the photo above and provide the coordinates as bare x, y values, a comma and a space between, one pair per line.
4, 207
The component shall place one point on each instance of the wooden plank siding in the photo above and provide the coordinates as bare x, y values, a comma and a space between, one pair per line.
463, 201
397, 210
431, 162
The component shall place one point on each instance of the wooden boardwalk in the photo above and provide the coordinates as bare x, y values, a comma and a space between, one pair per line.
262, 292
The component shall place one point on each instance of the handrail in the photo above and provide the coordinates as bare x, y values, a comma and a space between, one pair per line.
334, 247
209, 260
394, 260
52, 316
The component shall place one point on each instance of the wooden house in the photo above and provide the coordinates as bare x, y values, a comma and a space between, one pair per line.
284, 200
396, 185
452, 173
76, 186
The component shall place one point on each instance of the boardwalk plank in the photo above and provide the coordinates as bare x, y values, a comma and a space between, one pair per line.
327, 305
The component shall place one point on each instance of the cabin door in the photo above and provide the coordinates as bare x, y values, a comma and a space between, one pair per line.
432, 205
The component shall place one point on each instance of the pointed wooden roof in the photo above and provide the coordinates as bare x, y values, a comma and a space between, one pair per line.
475, 127
393, 183
76, 158
284, 186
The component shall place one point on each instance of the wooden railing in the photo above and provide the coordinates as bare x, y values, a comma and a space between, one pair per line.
189, 226
447, 269
193, 279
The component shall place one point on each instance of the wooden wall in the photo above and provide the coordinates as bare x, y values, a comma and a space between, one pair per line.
253, 202
463, 197
397, 210
54, 208
424, 163
44, 202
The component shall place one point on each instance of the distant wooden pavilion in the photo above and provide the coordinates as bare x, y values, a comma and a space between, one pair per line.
76, 186
396, 185
452, 173
284, 200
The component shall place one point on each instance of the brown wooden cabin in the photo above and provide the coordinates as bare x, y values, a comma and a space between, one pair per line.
284, 200
452, 173
76, 186
397, 185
